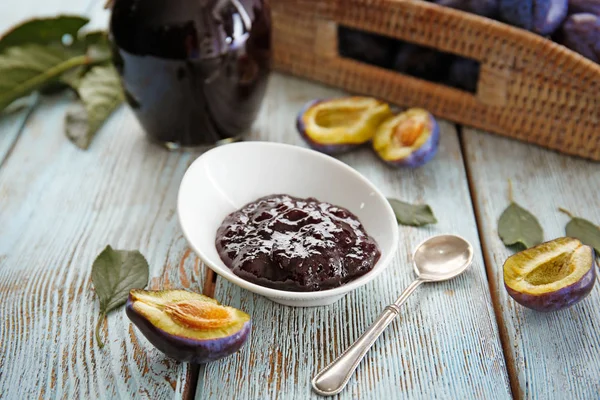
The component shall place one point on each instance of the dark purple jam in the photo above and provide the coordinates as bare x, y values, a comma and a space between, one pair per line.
294, 244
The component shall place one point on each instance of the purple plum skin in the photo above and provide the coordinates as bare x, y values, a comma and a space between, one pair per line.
540, 16
186, 349
485, 8
423, 154
581, 33
584, 6
560, 299
331, 149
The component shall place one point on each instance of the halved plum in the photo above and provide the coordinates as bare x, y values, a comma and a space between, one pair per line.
188, 326
551, 276
409, 139
339, 125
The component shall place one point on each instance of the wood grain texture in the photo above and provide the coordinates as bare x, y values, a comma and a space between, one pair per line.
549, 355
445, 343
11, 125
59, 207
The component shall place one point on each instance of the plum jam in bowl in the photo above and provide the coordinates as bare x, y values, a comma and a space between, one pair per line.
291, 224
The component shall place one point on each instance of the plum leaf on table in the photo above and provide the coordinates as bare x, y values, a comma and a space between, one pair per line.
100, 93
517, 226
114, 274
584, 230
48, 55
412, 214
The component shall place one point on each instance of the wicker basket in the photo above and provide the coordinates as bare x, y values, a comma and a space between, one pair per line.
529, 88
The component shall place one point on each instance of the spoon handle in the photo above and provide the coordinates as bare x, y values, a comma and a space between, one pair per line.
334, 377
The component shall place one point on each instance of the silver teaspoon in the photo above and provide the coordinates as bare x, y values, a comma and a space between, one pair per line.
436, 259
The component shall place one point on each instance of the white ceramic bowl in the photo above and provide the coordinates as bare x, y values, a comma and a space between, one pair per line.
226, 178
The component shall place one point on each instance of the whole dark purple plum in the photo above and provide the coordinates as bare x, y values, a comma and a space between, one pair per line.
464, 74
366, 47
338, 125
551, 276
187, 326
422, 62
539, 16
486, 8
584, 6
409, 139
581, 33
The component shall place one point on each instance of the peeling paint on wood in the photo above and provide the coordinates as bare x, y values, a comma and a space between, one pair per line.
64, 206
549, 354
60, 206
441, 346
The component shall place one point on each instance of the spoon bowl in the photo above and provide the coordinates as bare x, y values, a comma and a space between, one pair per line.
436, 259
442, 257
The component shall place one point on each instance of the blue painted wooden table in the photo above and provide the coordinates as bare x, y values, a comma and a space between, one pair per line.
464, 339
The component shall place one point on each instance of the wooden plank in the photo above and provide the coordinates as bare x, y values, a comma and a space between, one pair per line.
59, 207
445, 344
549, 355
10, 128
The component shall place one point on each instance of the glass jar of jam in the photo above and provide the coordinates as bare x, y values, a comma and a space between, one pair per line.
194, 71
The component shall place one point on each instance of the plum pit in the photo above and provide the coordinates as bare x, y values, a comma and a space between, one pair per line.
188, 326
409, 139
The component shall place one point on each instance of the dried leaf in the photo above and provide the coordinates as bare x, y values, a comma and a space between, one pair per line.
100, 93
114, 274
412, 215
517, 226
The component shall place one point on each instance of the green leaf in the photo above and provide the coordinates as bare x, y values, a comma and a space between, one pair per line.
97, 39
412, 215
517, 226
114, 274
100, 93
43, 31
583, 230
27, 68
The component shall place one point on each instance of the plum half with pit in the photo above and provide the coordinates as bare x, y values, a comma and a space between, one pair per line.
539, 16
188, 326
338, 125
409, 139
551, 276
